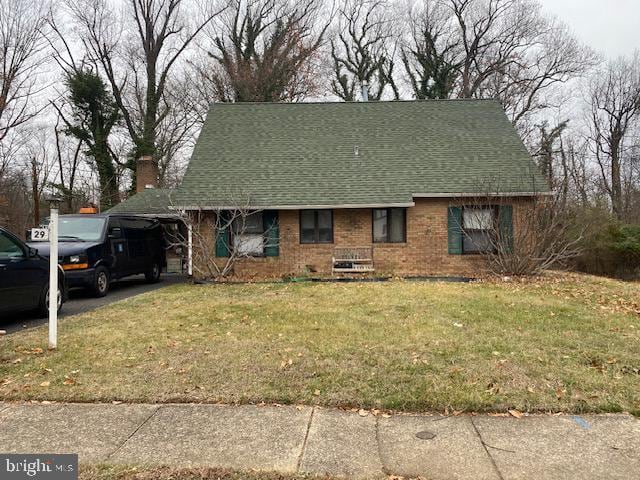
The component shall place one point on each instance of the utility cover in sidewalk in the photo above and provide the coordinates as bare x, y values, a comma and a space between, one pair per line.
425, 435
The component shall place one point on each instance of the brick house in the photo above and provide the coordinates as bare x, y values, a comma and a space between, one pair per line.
390, 187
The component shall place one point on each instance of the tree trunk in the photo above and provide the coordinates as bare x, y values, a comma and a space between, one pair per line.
616, 181
109, 192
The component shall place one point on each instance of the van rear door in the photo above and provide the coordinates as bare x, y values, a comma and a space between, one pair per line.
136, 232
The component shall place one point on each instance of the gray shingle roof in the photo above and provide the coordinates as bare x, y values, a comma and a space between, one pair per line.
361, 153
153, 201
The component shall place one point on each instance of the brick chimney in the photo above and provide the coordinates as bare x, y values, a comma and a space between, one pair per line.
146, 173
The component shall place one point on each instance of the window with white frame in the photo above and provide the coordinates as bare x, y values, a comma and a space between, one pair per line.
478, 228
248, 234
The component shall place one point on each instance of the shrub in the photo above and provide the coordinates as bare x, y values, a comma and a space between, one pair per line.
612, 250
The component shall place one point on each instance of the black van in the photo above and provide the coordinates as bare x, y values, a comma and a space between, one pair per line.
98, 248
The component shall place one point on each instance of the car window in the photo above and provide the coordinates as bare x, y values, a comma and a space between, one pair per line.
9, 248
86, 229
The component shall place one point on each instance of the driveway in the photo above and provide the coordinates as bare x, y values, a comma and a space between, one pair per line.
81, 301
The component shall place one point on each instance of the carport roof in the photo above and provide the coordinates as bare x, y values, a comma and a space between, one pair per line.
152, 201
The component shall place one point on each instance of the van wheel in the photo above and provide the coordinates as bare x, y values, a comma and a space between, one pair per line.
43, 305
152, 275
101, 282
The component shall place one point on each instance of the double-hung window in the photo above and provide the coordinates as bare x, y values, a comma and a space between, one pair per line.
478, 229
248, 234
316, 226
389, 225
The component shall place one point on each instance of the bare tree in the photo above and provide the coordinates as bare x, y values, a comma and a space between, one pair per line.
549, 148
177, 131
614, 99
222, 238
362, 50
264, 50
580, 172
68, 155
505, 49
22, 57
138, 53
40, 162
432, 54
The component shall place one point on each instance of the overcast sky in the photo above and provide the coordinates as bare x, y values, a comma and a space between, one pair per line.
611, 27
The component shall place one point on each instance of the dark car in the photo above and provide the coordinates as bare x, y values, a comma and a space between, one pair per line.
94, 250
24, 277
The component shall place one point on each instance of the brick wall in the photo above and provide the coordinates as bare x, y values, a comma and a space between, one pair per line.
424, 253
146, 173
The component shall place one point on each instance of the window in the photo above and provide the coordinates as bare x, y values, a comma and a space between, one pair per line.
84, 229
248, 234
478, 227
316, 226
9, 248
389, 225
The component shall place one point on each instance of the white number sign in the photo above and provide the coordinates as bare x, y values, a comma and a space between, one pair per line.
39, 234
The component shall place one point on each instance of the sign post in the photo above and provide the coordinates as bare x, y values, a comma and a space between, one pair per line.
54, 203
190, 250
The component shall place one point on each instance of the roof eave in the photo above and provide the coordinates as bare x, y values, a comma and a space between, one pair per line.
295, 207
481, 194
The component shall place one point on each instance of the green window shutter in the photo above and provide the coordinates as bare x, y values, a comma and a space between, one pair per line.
223, 237
454, 227
506, 227
272, 233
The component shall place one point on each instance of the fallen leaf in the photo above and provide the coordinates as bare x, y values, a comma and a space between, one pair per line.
45, 384
362, 412
515, 413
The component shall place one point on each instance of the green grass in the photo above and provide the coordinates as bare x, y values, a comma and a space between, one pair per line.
564, 343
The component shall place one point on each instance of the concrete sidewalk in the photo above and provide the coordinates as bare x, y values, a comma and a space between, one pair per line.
328, 441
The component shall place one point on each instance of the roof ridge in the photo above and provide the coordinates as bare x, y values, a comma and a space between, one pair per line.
371, 102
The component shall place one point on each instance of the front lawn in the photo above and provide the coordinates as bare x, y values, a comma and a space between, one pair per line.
565, 343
